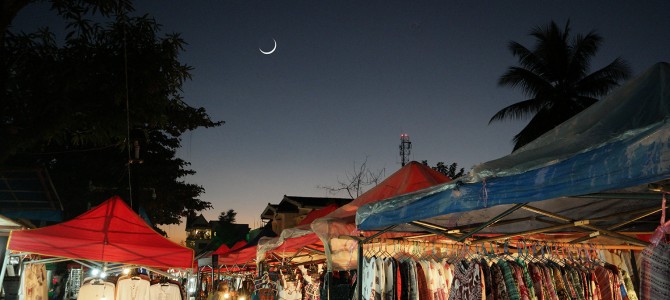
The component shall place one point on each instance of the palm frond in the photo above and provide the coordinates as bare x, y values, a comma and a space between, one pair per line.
601, 82
529, 82
584, 47
519, 110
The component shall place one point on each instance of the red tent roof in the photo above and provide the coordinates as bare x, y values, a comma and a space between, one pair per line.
238, 257
238, 245
110, 232
221, 250
319, 213
412, 177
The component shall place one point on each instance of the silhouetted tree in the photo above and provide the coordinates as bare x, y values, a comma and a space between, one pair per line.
356, 183
555, 76
69, 107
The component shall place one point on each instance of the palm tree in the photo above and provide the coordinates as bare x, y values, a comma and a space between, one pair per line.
555, 76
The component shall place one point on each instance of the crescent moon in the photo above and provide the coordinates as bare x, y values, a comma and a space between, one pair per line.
271, 51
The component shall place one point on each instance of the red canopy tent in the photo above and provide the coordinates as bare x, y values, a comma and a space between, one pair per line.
412, 177
315, 214
110, 232
238, 245
238, 257
220, 251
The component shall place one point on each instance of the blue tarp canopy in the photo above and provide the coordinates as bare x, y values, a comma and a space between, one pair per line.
596, 166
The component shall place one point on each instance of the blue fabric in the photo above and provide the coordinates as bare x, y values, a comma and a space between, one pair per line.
638, 158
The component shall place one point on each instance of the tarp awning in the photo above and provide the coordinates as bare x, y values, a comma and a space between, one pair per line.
110, 232
594, 164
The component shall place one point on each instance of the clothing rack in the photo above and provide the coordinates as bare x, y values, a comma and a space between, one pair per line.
490, 249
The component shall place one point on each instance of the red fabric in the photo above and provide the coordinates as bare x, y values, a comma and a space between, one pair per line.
319, 213
221, 250
296, 243
238, 257
110, 232
412, 177
238, 245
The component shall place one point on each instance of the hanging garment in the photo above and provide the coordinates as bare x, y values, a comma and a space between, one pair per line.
524, 293
488, 285
527, 279
422, 283
438, 280
133, 288
404, 281
655, 272
164, 291
413, 280
35, 286
96, 289
290, 290
498, 281
467, 284
368, 278
510, 282
398, 280
389, 283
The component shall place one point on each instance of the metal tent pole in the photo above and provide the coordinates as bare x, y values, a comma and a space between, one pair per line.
4, 268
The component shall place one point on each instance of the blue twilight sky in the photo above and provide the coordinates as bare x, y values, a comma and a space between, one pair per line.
349, 76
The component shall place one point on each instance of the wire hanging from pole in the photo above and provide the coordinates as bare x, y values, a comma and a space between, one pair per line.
127, 94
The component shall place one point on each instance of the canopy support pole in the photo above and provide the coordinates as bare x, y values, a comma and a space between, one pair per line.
493, 220
434, 231
615, 226
586, 225
529, 232
315, 250
295, 255
359, 273
5, 262
92, 265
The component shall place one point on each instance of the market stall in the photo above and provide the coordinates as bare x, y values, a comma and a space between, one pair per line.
108, 237
599, 178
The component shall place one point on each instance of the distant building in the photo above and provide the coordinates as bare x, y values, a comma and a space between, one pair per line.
199, 232
292, 209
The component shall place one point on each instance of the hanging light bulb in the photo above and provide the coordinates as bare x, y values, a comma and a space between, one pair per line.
95, 272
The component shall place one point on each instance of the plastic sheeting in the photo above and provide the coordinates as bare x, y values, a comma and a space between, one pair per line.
639, 103
266, 244
618, 143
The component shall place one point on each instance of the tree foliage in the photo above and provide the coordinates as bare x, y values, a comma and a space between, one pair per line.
452, 171
227, 217
78, 109
554, 74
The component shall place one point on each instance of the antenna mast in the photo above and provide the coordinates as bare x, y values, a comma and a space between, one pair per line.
405, 148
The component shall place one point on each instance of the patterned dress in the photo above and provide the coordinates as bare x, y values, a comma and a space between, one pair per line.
467, 284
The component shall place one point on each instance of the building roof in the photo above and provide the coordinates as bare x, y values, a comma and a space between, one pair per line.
315, 202
197, 222
292, 204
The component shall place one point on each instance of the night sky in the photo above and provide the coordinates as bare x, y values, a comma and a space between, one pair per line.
348, 77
